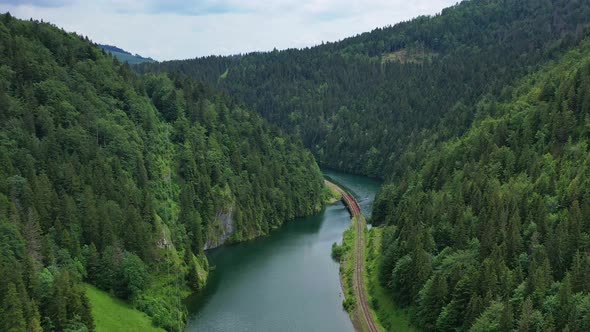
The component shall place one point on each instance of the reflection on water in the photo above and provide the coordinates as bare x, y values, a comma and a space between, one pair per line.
286, 281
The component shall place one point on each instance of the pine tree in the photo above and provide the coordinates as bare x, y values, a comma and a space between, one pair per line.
13, 319
92, 258
431, 301
89, 216
565, 305
475, 307
580, 271
32, 234
455, 312
525, 323
507, 318
34, 323
514, 242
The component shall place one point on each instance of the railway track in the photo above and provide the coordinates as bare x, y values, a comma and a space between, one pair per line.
366, 319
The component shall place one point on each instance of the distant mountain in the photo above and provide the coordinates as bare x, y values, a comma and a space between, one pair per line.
125, 56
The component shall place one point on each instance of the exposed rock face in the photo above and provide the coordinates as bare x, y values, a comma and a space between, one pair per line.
221, 230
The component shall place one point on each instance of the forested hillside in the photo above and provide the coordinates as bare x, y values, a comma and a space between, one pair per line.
491, 232
121, 181
479, 119
360, 104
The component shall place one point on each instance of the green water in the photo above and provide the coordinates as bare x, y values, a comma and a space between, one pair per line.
286, 281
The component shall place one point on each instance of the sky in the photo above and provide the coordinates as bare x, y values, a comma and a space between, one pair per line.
177, 29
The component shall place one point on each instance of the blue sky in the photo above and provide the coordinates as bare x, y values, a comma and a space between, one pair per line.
177, 29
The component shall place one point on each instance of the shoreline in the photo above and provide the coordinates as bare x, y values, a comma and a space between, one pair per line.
352, 271
335, 190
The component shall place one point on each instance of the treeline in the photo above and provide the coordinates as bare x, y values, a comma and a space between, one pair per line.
360, 104
119, 180
491, 231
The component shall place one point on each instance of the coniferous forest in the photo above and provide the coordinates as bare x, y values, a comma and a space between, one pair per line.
121, 181
477, 119
360, 104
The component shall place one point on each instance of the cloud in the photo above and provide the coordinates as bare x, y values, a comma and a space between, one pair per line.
178, 29
38, 3
201, 8
178, 7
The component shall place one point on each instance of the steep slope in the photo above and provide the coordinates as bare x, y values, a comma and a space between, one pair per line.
478, 119
122, 180
360, 104
490, 232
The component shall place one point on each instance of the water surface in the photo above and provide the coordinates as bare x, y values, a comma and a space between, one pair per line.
286, 281
361, 187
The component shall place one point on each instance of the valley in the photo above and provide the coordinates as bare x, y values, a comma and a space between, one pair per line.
427, 175
286, 280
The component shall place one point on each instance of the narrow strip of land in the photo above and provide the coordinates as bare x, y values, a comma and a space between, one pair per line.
363, 311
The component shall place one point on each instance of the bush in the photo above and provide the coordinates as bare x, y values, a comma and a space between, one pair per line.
133, 277
348, 304
337, 251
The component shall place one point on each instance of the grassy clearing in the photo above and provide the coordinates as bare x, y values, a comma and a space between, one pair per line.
224, 75
347, 264
388, 314
113, 315
408, 56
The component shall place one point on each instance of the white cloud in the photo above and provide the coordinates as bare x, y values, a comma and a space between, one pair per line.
179, 29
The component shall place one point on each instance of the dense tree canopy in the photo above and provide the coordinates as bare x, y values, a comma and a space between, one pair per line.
490, 232
363, 103
121, 181
478, 120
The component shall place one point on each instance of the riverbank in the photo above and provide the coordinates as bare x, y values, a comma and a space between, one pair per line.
333, 193
383, 311
352, 255
389, 315
285, 279
347, 261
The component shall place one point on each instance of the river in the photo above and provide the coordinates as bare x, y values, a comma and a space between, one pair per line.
286, 281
